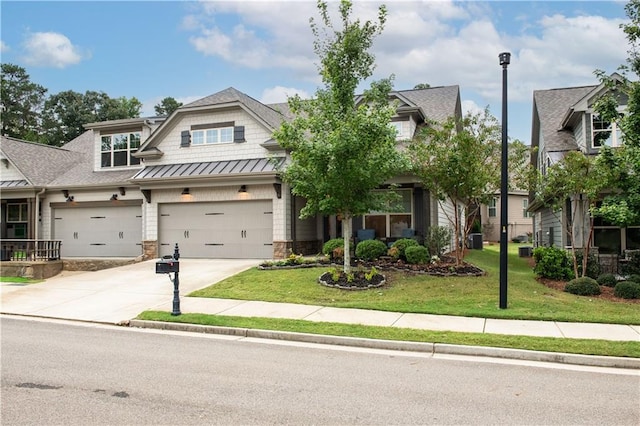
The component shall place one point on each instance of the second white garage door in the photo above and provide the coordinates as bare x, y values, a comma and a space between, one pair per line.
226, 230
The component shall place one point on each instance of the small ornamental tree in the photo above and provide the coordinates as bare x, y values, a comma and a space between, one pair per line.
459, 161
571, 187
342, 151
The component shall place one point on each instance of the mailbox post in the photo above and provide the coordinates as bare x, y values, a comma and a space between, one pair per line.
169, 264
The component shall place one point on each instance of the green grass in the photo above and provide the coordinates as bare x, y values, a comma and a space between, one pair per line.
464, 296
547, 344
19, 280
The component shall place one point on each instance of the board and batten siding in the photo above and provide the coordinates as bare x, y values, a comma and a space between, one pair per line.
551, 228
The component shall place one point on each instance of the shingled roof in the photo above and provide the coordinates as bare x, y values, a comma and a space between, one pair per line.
551, 106
230, 95
40, 164
438, 103
83, 173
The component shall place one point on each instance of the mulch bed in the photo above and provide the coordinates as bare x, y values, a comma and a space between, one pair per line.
607, 292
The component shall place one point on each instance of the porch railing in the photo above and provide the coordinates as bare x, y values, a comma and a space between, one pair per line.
30, 250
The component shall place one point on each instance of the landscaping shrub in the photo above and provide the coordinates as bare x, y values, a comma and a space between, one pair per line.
402, 245
635, 278
417, 255
632, 267
329, 246
370, 249
608, 280
593, 267
583, 286
627, 290
552, 262
437, 238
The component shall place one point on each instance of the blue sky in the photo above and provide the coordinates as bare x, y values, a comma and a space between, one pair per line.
188, 50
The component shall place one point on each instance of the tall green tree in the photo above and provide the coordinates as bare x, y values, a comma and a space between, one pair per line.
621, 205
65, 113
458, 161
341, 151
21, 101
166, 106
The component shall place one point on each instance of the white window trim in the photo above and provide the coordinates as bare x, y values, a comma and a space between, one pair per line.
205, 136
493, 207
112, 151
617, 139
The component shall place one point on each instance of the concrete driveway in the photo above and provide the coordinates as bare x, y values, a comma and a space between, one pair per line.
113, 295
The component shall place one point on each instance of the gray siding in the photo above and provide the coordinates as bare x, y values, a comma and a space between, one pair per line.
551, 228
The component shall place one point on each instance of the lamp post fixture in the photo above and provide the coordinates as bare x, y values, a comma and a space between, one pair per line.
505, 58
176, 285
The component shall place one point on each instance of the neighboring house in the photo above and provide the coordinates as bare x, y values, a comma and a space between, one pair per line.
518, 217
563, 121
206, 177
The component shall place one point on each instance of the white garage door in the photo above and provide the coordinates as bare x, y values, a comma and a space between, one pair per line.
226, 230
99, 231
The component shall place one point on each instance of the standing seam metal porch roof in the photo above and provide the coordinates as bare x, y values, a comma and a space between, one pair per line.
210, 168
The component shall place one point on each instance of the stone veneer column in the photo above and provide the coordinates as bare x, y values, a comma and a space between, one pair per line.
281, 249
149, 249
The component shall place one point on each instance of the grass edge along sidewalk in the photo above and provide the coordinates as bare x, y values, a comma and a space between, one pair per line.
522, 286
626, 349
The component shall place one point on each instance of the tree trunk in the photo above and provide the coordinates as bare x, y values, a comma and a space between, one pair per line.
346, 235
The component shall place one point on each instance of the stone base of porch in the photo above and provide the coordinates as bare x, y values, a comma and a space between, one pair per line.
33, 270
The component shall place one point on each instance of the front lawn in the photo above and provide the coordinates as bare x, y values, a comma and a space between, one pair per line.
464, 296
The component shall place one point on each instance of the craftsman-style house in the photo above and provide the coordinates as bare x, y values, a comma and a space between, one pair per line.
564, 120
205, 177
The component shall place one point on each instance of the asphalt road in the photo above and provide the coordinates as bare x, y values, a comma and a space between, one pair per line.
65, 373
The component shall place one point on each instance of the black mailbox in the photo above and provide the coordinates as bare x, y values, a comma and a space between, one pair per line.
165, 266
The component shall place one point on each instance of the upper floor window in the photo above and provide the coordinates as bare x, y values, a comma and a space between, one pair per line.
605, 133
116, 149
492, 210
209, 136
525, 206
402, 129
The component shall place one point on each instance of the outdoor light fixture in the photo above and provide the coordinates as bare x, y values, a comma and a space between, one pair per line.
114, 197
186, 191
505, 59
243, 188
122, 190
65, 192
70, 198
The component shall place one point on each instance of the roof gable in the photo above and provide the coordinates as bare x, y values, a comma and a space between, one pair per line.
228, 98
40, 164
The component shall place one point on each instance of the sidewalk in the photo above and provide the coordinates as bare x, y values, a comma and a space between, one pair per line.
243, 308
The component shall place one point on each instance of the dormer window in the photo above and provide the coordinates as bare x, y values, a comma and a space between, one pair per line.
209, 136
605, 133
116, 149
402, 129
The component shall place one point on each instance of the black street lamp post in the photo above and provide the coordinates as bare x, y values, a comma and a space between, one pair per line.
505, 58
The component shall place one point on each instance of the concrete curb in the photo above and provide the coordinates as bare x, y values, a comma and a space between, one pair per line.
432, 348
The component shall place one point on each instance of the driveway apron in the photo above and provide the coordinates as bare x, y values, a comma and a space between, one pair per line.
113, 295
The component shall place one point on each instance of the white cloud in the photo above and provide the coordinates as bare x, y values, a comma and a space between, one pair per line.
49, 49
279, 94
435, 42
3, 47
469, 106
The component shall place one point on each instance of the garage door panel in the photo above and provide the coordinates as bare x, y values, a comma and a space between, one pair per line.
238, 229
99, 231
